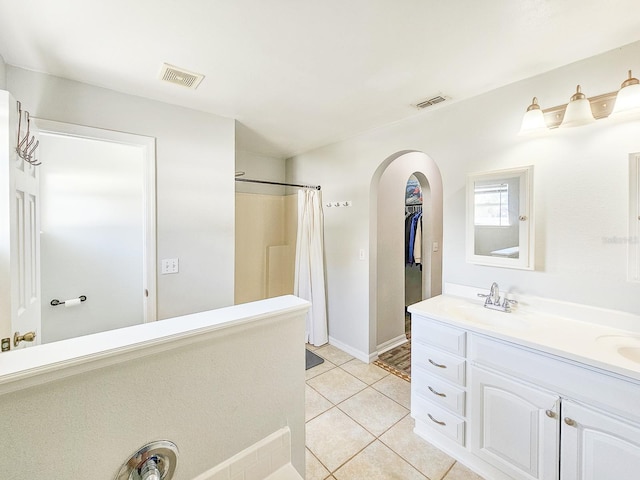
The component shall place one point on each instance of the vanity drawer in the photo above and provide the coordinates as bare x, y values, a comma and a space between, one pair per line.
438, 363
436, 390
445, 337
437, 418
579, 382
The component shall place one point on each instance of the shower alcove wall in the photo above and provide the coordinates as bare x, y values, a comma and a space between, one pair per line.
266, 223
387, 263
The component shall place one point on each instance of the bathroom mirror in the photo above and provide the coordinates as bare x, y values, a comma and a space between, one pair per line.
500, 218
634, 218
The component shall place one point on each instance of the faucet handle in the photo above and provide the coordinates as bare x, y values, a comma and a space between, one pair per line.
507, 303
487, 299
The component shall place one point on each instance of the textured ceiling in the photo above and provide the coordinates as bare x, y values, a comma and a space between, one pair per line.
298, 74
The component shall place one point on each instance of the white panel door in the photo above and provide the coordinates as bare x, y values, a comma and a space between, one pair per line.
596, 446
514, 425
20, 246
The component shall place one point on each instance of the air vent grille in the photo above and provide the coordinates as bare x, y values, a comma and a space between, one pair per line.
431, 101
179, 76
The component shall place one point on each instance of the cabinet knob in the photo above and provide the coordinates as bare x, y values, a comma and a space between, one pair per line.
550, 413
570, 421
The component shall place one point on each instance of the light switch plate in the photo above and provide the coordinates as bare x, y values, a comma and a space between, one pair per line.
170, 265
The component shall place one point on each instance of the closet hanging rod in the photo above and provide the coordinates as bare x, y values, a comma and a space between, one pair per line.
248, 180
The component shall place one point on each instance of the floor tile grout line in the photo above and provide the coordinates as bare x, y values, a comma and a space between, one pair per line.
319, 461
366, 429
354, 394
317, 375
319, 393
448, 471
407, 459
354, 456
393, 399
372, 386
375, 437
360, 391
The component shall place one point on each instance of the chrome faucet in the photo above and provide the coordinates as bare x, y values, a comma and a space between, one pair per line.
492, 300
494, 294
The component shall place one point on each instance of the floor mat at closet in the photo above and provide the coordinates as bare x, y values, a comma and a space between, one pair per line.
397, 361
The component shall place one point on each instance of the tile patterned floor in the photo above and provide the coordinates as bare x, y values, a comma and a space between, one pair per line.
359, 426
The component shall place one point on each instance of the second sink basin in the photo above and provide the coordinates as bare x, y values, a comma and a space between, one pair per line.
627, 346
630, 353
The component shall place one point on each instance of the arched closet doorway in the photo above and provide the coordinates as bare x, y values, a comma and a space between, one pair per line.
387, 248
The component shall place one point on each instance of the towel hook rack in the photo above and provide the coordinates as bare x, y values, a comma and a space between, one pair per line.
27, 146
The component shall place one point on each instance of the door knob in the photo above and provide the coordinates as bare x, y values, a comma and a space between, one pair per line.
27, 337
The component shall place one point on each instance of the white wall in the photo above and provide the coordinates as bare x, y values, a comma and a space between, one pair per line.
388, 313
580, 191
3, 74
260, 167
187, 380
195, 172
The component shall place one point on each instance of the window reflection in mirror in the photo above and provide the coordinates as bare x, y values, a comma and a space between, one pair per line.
499, 221
496, 218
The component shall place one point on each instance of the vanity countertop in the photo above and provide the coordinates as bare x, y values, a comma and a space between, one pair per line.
593, 344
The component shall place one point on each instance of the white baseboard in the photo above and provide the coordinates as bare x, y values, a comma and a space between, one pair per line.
391, 344
363, 357
368, 357
285, 473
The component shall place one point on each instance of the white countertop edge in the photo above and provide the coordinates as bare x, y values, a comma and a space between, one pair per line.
559, 308
569, 339
47, 362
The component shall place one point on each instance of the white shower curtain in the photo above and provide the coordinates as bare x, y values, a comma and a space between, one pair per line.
309, 268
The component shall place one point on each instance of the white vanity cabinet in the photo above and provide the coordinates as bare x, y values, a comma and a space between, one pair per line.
597, 446
438, 379
514, 425
510, 411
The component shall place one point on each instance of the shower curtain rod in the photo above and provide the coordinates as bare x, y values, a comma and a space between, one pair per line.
248, 180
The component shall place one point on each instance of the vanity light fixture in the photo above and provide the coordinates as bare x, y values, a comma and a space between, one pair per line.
578, 111
628, 99
533, 120
581, 110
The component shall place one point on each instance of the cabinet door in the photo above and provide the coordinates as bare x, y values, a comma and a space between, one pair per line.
514, 426
596, 446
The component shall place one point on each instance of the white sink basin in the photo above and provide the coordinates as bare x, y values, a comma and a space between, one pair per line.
630, 353
493, 318
627, 346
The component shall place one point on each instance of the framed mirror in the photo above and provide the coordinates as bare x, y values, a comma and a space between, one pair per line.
500, 218
633, 241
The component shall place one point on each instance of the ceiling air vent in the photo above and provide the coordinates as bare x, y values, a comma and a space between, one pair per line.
431, 101
179, 76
